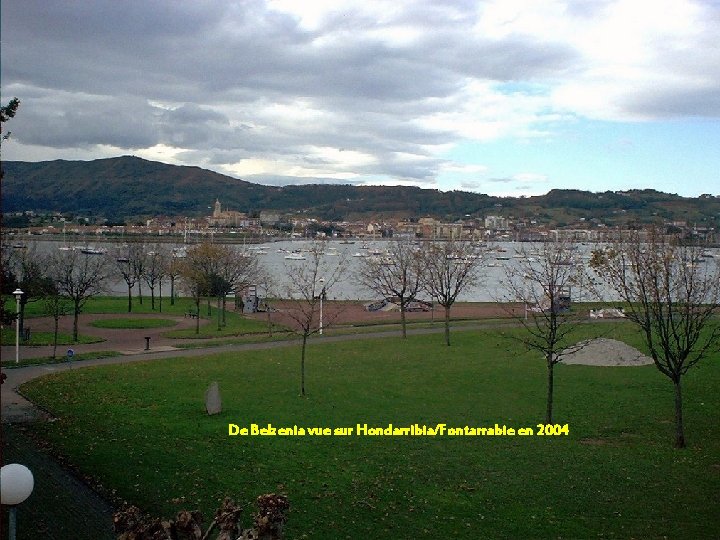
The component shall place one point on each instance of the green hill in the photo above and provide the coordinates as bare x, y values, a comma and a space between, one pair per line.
130, 187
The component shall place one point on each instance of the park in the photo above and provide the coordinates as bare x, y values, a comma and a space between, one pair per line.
140, 431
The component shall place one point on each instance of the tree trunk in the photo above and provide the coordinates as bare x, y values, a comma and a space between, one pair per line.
209, 313
172, 290
402, 319
129, 299
152, 298
219, 314
224, 309
550, 382
302, 365
76, 315
447, 325
160, 295
140, 291
55, 337
269, 320
197, 315
679, 430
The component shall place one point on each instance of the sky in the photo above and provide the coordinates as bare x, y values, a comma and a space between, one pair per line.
504, 97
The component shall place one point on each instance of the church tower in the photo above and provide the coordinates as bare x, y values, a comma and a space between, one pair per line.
218, 209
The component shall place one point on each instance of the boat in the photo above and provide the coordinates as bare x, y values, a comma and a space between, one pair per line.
93, 251
295, 257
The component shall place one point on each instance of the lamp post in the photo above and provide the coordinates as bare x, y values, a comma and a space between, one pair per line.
16, 485
18, 294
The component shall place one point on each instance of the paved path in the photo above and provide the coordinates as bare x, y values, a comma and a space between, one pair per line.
15, 408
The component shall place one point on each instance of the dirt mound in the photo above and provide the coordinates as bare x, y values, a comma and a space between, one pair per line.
604, 352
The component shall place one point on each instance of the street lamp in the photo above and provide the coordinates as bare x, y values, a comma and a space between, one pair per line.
18, 294
16, 485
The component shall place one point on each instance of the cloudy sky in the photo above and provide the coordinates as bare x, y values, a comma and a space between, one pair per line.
506, 97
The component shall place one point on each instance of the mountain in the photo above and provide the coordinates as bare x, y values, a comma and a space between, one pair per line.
129, 187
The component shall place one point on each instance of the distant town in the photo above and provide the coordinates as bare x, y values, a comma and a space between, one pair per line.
231, 225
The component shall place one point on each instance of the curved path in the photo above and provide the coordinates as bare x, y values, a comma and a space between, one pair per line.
15, 408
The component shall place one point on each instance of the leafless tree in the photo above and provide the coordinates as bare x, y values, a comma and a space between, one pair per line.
237, 270
543, 279
267, 285
125, 263
672, 293
154, 269
28, 266
394, 275
448, 269
55, 305
308, 284
138, 265
79, 277
172, 272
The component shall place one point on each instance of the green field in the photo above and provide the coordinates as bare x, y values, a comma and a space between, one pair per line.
7, 337
141, 429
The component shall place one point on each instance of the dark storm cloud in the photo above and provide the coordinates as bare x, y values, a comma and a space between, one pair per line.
191, 53
68, 123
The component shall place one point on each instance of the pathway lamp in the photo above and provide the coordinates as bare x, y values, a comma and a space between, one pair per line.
18, 295
16, 485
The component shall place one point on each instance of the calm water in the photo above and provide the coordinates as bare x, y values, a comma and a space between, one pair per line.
272, 257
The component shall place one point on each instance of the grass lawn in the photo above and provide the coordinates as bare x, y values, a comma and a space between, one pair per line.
7, 337
616, 475
133, 323
116, 304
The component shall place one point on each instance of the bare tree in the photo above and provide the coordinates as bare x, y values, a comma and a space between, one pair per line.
79, 277
449, 268
29, 269
55, 305
267, 284
395, 275
153, 271
139, 262
543, 280
672, 293
125, 263
195, 270
237, 270
173, 265
308, 284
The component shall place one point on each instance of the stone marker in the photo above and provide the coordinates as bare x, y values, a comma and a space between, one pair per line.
213, 403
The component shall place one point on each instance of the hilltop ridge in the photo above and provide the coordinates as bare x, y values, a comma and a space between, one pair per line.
129, 187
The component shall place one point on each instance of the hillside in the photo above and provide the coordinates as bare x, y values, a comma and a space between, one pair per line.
130, 187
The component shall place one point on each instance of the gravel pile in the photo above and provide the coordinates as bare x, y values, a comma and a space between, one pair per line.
604, 352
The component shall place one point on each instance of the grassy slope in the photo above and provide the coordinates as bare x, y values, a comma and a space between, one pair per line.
615, 475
